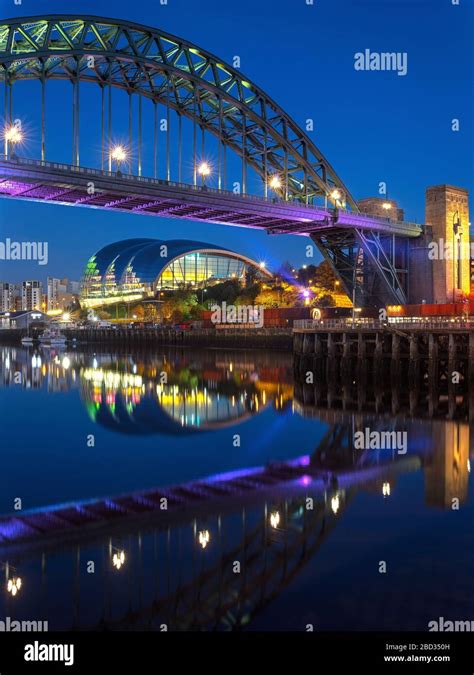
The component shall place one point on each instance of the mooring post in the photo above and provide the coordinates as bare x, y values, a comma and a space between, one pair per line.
433, 374
453, 375
414, 365
346, 357
378, 371
361, 360
395, 370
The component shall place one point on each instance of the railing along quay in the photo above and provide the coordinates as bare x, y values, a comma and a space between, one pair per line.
461, 324
275, 338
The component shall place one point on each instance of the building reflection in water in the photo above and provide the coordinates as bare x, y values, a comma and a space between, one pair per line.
447, 473
152, 394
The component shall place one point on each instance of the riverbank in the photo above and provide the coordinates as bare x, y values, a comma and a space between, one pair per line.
259, 338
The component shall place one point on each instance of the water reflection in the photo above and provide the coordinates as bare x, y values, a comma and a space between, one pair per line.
157, 393
229, 551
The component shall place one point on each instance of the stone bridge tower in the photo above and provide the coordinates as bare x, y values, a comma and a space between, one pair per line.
447, 226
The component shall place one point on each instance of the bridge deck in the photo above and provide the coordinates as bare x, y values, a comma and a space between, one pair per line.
56, 183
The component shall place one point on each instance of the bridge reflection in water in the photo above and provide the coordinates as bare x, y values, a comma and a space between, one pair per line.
225, 546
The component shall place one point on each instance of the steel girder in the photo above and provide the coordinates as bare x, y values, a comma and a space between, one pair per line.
366, 263
179, 75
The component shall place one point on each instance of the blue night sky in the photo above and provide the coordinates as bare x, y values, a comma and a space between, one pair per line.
372, 126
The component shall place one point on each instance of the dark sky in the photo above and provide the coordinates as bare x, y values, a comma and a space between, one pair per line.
372, 126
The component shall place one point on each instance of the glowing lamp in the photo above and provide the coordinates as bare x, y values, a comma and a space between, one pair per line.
204, 169
274, 183
118, 560
13, 135
14, 585
275, 519
204, 538
118, 154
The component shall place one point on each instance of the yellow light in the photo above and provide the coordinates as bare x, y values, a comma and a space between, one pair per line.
118, 154
386, 489
335, 504
118, 560
204, 169
335, 194
387, 206
275, 519
14, 585
13, 135
66, 316
275, 183
204, 538
66, 362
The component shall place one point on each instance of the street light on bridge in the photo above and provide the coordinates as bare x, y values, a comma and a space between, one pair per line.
12, 135
275, 183
204, 170
118, 154
338, 195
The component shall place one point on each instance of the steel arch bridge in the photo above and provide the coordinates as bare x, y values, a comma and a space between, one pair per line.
224, 110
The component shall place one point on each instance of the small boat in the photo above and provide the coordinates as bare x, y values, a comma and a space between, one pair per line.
52, 338
27, 341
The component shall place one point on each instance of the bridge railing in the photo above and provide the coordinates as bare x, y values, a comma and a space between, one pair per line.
414, 323
88, 171
322, 324
381, 219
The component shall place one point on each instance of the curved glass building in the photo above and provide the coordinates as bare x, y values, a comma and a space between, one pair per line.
135, 269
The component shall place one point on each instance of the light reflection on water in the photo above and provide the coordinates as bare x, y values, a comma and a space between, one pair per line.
173, 417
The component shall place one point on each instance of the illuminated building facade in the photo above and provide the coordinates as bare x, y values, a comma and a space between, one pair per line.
31, 292
136, 269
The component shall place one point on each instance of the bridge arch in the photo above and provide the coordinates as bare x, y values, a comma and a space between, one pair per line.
170, 71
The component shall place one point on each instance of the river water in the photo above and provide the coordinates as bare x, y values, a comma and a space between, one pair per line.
384, 542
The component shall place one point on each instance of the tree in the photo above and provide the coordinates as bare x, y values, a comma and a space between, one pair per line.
268, 298
325, 276
182, 305
326, 301
306, 274
227, 291
251, 276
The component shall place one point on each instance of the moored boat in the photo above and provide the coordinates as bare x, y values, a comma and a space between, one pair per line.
52, 338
